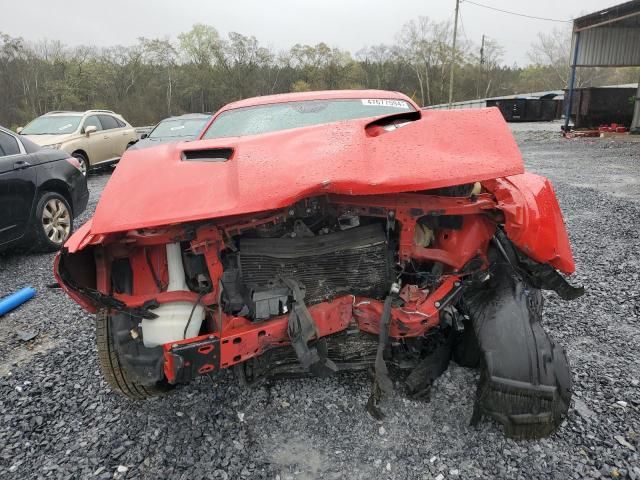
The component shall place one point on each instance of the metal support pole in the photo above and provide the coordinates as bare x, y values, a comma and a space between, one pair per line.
635, 123
479, 79
453, 53
572, 81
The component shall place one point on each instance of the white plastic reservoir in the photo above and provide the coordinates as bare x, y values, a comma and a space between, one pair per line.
173, 317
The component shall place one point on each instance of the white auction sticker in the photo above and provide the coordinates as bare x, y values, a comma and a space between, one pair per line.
385, 102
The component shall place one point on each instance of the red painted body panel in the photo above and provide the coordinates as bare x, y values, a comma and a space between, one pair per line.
371, 172
533, 220
153, 187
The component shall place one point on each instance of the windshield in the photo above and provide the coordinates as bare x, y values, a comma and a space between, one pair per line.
284, 116
52, 125
179, 128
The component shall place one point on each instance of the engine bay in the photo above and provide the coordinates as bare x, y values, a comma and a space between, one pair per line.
330, 283
324, 265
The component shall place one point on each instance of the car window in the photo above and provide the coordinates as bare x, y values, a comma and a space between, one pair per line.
8, 145
108, 122
283, 116
179, 128
52, 125
120, 123
93, 121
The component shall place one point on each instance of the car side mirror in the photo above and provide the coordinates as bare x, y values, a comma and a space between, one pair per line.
19, 130
89, 130
144, 135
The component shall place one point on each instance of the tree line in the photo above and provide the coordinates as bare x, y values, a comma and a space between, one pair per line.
201, 70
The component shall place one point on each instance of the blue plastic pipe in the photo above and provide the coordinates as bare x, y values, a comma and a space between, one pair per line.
16, 299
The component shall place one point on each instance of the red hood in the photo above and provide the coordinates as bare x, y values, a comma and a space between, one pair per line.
154, 187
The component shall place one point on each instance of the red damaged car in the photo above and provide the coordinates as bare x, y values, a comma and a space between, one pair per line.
316, 232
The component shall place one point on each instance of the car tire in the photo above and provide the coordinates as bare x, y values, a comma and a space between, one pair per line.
114, 371
52, 223
84, 162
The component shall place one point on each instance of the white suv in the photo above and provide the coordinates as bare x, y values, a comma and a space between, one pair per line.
94, 137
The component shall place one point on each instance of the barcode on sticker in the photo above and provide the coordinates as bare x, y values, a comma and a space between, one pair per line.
382, 102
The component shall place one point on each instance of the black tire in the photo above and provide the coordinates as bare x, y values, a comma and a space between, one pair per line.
84, 162
42, 225
117, 375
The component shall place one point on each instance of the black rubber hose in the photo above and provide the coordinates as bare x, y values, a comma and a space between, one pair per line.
186, 327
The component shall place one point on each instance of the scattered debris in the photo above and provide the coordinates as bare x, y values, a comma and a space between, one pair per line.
582, 409
26, 335
622, 441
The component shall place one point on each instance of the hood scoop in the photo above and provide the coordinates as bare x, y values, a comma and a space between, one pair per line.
207, 155
390, 123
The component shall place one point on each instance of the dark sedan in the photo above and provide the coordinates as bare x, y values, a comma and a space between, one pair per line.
174, 129
41, 191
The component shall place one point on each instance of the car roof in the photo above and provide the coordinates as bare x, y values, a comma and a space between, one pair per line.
25, 141
317, 95
75, 113
62, 114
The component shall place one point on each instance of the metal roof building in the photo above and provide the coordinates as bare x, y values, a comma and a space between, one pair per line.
482, 102
607, 38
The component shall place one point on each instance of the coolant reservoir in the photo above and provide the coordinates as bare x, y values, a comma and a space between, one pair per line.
173, 317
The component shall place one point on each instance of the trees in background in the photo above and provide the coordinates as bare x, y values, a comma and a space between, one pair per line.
203, 70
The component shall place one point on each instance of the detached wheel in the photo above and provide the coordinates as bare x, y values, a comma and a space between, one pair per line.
119, 376
53, 222
84, 162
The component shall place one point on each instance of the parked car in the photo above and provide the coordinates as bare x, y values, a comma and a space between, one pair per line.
95, 137
173, 129
316, 232
41, 191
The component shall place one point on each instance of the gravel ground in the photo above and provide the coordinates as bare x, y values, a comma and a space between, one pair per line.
60, 420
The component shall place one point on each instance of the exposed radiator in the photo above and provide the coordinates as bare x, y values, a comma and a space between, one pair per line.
354, 261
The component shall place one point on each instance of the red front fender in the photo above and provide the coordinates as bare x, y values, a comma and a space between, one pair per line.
533, 220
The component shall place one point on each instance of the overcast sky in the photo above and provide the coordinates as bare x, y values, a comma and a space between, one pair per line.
348, 24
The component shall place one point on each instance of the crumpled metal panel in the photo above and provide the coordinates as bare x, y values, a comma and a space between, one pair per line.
533, 219
155, 187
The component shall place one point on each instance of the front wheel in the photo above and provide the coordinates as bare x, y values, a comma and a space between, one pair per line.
52, 223
119, 376
84, 162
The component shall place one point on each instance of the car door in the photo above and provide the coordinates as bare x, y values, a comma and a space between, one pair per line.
118, 135
97, 143
17, 188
